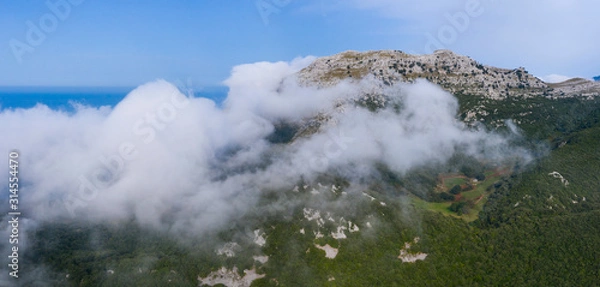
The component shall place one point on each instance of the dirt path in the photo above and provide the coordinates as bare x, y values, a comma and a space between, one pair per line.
443, 177
479, 198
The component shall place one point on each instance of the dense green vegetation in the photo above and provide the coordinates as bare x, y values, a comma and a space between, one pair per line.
540, 118
528, 229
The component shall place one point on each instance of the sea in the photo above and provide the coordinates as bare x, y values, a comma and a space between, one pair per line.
64, 98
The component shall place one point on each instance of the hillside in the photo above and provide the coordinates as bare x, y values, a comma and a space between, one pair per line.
512, 200
455, 73
486, 93
534, 231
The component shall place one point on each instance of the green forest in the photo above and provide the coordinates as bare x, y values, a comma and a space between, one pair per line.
523, 226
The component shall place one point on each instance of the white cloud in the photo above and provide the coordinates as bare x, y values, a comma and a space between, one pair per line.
182, 164
543, 36
554, 78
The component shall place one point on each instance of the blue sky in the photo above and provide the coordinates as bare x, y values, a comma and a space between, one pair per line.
130, 42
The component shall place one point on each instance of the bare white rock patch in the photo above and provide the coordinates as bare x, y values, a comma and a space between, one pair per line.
555, 174
330, 252
339, 234
352, 227
228, 249
367, 195
318, 234
261, 259
230, 278
259, 238
407, 257
313, 215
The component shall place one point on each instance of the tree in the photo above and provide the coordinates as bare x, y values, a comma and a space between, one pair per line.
455, 189
480, 176
459, 207
441, 197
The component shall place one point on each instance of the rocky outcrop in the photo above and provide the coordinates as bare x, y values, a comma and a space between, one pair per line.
575, 87
453, 72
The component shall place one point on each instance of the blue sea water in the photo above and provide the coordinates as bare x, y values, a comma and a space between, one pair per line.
63, 98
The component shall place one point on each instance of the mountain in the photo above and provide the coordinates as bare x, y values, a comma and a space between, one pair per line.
484, 92
477, 214
456, 73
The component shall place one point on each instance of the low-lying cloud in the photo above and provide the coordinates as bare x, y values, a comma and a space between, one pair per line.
184, 164
555, 78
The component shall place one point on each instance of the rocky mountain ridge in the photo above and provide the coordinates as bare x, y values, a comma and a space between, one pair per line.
455, 73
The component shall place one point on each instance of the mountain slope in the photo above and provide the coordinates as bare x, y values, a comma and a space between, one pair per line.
538, 225
455, 73
486, 94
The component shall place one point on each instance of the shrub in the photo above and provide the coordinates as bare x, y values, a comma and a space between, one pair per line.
446, 196
455, 189
480, 176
